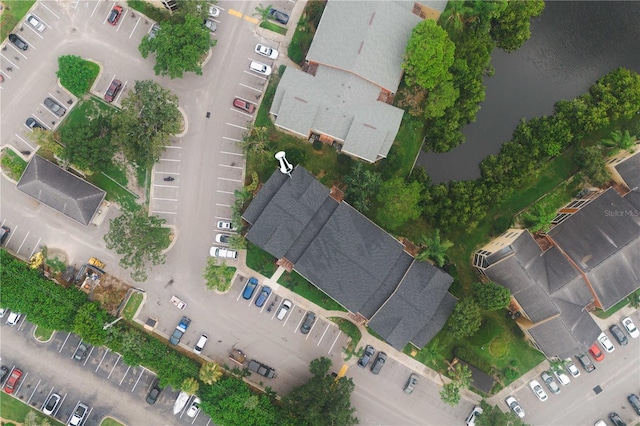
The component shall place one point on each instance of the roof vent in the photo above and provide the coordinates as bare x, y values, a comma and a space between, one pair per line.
285, 167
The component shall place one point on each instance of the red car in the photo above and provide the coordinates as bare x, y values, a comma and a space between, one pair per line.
113, 90
115, 15
13, 380
244, 105
596, 352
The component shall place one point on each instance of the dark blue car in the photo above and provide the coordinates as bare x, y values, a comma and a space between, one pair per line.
264, 295
250, 288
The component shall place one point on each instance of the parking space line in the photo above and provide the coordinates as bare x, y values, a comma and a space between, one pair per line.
288, 316
60, 405
24, 141
103, 357
323, 334
240, 112
125, 375
23, 241
24, 319
249, 87
134, 28
34, 31
166, 199
122, 19
232, 153
52, 12
134, 386
48, 395
64, 343
108, 84
88, 356
223, 205
312, 327
163, 212
235, 125
34, 391
169, 159
231, 139
94, 11
172, 147
114, 366
334, 342
165, 186
57, 100
230, 180
256, 75
231, 167
75, 4
225, 192
298, 326
21, 382
35, 247
12, 64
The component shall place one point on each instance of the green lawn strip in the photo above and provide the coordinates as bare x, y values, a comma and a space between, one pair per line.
13, 164
260, 261
43, 334
15, 410
108, 421
132, 306
13, 12
633, 297
296, 283
273, 27
300, 43
351, 330
408, 143
146, 8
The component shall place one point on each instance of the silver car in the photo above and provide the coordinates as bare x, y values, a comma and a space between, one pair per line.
55, 107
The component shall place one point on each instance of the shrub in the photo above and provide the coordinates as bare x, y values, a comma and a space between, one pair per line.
472, 358
76, 74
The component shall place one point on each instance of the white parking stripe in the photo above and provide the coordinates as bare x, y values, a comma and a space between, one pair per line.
64, 343
45, 400
232, 153
122, 19
225, 192
312, 327
114, 366
57, 100
240, 112
100, 363
41, 4
88, 356
165, 199
134, 386
334, 342
12, 64
108, 84
167, 173
34, 391
134, 28
166, 186
35, 247
23, 241
94, 11
231, 167
163, 212
21, 383
34, 31
172, 147
255, 75
223, 205
27, 143
168, 159
231, 139
230, 180
249, 87
325, 332
125, 375
235, 125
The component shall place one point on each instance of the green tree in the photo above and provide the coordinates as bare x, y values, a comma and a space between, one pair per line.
428, 56
619, 140
362, 185
323, 400
466, 318
237, 242
87, 143
591, 162
491, 296
434, 248
146, 123
539, 217
218, 277
75, 74
262, 11
46, 140
190, 386
457, 15
440, 98
511, 28
255, 143
139, 239
461, 376
89, 323
210, 372
450, 394
400, 202
179, 47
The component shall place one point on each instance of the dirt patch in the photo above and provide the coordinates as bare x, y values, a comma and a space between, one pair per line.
110, 293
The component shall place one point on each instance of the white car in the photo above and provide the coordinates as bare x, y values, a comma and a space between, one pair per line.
260, 68
194, 408
226, 225
284, 308
606, 343
222, 238
223, 253
473, 415
51, 404
571, 368
562, 378
515, 407
200, 345
13, 318
269, 52
210, 25
35, 23
214, 12
538, 391
630, 327
2, 312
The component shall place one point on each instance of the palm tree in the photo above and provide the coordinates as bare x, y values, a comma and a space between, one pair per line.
619, 140
433, 248
255, 141
190, 386
210, 372
262, 12
457, 15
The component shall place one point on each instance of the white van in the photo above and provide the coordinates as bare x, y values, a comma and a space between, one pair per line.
260, 68
200, 345
284, 308
223, 253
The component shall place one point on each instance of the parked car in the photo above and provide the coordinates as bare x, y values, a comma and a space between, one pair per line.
630, 327
154, 392
32, 123
269, 52
35, 22
263, 296
202, 340
223, 253
179, 331
4, 233
278, 16
194, 408
249, 288
78, 416
154, 31
4, 372
81, 351
18, 42
635, 402
571, 368
595, 351
51, 404
377, 365
226, 225
2, 312
260, 68
551, 384
284, 308
617, 334
586, 362
13, 318
309, 320
214, 12
13, 380
606, 343
600, 423
366, 356
113, 90
210, 25
115, 15
562, 378
244, 105
55, 107
262, 369
515, 407
537, 390
473, 415
616, 420
222, 238
412, 381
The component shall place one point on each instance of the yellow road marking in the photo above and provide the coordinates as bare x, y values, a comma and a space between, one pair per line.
250, 19
235, 13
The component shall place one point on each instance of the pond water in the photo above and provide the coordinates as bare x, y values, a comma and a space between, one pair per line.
572, 44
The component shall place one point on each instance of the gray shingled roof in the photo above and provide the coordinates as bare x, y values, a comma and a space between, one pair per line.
338, 104
367, 38
629, 170
61, 190
603, 239
349, 258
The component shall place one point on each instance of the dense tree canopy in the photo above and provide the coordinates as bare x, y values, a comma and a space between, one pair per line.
400, 202
76, 74
491, 296
428, 56
465, 320
511, 28
89, 323
591, 161
146, 123
362, 185
87, 143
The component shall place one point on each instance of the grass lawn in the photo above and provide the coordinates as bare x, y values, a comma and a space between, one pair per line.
14, 11
15, 410
132, 306
408, 143
13, 164
300, 43
296, 283
273, 27
260, 261
108, 421
351, 330
43, 334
